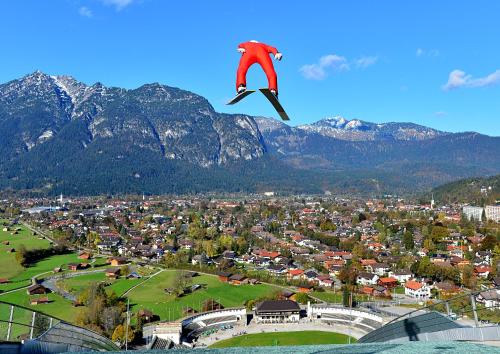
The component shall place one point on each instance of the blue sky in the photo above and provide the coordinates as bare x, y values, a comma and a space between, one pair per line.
434, 63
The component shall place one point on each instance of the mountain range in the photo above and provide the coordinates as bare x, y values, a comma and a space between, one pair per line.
61, 135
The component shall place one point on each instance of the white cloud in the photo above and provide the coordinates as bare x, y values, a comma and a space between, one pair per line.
427, 52
459, 78
85, 11
319, 70
365, 62
118, 4
440, 113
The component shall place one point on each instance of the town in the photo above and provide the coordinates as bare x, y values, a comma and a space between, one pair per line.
174, 257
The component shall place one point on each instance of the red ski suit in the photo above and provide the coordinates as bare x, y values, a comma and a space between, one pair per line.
257, 53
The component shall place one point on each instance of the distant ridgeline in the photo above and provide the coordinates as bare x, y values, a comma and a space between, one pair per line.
476, 191
58, 135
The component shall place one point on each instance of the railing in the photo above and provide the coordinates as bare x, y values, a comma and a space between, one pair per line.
460, 316
25, 325
460, 306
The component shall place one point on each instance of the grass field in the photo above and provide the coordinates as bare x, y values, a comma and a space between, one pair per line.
336, 298
58, 307
45, 265
9, 267
328, 296
119, 286
151, 294
284, 338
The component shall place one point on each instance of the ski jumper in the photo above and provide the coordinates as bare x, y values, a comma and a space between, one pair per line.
257, 53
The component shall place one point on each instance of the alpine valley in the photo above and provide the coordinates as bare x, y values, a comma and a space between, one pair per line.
58, 135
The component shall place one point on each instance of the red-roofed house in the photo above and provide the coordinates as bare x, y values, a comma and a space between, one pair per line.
482, 271
417, 290
295, 273
388, 282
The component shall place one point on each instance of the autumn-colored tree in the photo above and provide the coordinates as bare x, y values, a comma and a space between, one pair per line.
438, 233
302, 298
469, 278
119, 334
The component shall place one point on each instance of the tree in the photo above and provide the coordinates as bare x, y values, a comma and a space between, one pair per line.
327, 225
438, 233
469, 278
208, 247
102, 311
119, 334
429, 245
182, 281
302, 298
225, 242
346, 296
489, 243
21, 255
408, 240
111, 317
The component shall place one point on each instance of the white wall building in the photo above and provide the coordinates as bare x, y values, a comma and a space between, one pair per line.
492, 212
473, 212
417, 290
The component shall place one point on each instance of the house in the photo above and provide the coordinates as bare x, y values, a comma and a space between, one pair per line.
305, 288
295, 273
388, 282
277, 269
368, 264
375, 290
490, 298
112, 272
325, 281
288, 295
417, 290
145, 315
401, 275
482, 271
277, 311
36, 289
447, 288
201, 259
40, 300
496, 281
380, 269
73, 266
84, 255
117, 261
365, 278
237, 279
311, 275
224, 276
367, 290
381, 291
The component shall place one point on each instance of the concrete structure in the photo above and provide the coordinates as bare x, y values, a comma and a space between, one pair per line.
492, 212
473, 212
361, 320
277, 311
169, 331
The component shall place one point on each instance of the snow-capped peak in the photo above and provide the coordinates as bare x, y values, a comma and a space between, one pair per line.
353, 124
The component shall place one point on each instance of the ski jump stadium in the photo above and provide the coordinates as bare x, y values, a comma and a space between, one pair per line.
375, 326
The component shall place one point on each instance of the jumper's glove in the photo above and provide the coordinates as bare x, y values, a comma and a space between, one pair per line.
278, 56
241, 50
